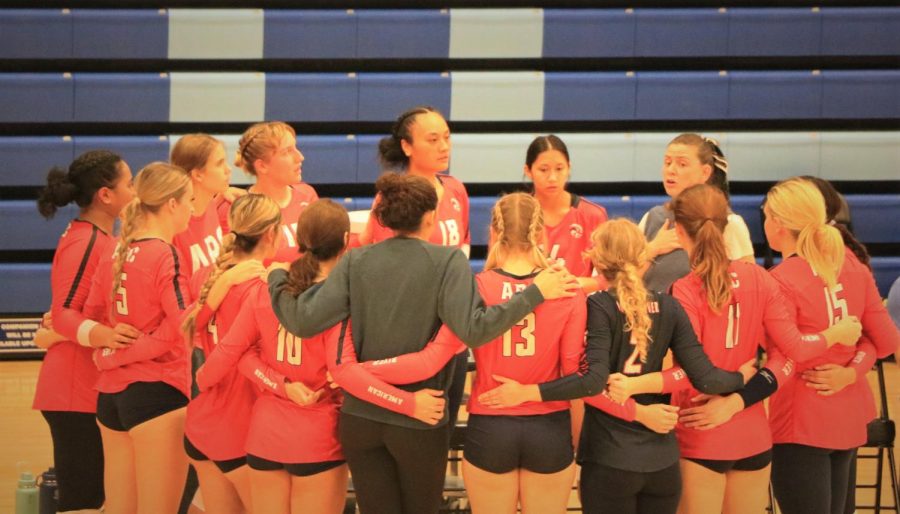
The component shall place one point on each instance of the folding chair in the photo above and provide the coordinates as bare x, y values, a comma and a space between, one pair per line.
882, 432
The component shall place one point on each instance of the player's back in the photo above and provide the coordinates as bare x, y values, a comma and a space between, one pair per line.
544, 345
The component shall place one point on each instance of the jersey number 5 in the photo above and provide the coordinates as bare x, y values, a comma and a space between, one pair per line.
288, 347
837, 306
122, 297
524, 346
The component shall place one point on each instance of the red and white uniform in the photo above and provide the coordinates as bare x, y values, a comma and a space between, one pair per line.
219, 417
545, 345
279, 430
302, 195
730, 338
201, 243
797, 414
152, 298
571, 237
67, 376
451, 227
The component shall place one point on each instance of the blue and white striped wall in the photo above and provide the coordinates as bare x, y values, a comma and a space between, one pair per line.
453, 33
464, 96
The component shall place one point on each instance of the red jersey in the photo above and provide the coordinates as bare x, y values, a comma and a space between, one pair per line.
571, 237
67, 377
152, 297
277, 424
201, 243
797, 413
218, 419
451, 227
301, 196
545, 345
730, 338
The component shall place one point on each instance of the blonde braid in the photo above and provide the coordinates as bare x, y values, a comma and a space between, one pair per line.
223, 263
131, 215
632, 297
496, 253
535, 235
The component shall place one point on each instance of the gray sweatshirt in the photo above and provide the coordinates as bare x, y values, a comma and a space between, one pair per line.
397, 294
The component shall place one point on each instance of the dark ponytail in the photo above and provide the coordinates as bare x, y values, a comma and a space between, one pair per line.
404, 200
320, 235
88, 173
390, 151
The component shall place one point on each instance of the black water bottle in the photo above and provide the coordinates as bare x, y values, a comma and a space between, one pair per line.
49, 494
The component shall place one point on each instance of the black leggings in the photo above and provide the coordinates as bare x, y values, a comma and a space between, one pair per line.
395, 470
811, 480
78, 459
606, 490
457, 385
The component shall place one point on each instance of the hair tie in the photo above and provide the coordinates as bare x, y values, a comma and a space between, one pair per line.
832, 222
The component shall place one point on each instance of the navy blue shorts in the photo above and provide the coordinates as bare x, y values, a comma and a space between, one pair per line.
139, 402
751, 463
304, 469
500, 444
225, 466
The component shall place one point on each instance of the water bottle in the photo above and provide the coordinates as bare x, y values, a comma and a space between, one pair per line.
49, 495
26, 494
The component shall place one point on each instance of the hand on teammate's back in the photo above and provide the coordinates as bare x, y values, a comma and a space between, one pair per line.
845, 331
429, 406
555, 283
244, 271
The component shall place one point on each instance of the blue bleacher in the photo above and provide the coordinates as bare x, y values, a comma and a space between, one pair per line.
27, 288
680, 32
312, 96
383, 95
774, 31
671, 95
121, 97
392, 33
120, 34
24, 161
589, 96
310, 34
137, 151
686, 95
425, 33
588, 33
328, 159
772, 95
25, 229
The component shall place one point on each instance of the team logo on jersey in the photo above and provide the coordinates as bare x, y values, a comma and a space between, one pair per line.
576, 230
455, 203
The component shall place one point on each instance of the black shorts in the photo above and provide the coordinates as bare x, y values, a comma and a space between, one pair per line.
225, 466
139, 402
751, 463
500, 444
304, 469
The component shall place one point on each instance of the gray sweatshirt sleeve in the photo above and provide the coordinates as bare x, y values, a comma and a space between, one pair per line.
704, 376
461, 307
317, 308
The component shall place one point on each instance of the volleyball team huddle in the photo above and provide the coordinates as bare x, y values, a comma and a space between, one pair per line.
329, 352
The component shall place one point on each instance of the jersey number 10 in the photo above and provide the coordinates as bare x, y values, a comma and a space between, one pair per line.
289, 347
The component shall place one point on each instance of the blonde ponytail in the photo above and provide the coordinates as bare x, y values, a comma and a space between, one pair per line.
619, 252
250, 217
800, 207
223, 262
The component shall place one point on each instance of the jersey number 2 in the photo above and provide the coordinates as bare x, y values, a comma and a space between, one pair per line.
524, 347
